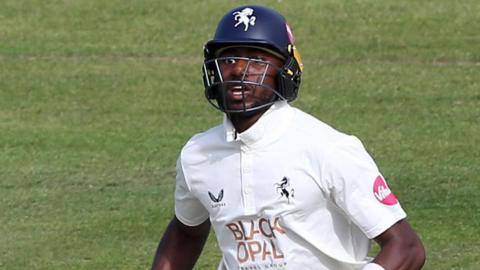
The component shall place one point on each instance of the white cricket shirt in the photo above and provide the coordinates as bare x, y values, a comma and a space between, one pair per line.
288, 193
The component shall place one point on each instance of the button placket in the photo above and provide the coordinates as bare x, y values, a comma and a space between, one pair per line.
247, 181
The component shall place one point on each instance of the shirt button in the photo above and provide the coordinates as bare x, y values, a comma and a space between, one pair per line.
248, 190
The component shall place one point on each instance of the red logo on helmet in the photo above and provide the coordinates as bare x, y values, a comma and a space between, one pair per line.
383, 193
290, 34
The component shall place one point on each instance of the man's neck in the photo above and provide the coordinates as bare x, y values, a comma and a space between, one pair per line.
242, 122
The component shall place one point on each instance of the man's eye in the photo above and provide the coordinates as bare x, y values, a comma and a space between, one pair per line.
230, 61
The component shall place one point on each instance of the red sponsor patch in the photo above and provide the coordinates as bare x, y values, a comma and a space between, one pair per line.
383, 193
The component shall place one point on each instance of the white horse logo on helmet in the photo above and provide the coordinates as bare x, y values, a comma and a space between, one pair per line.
245, 17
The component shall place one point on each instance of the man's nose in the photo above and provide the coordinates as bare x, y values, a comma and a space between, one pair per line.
239, 68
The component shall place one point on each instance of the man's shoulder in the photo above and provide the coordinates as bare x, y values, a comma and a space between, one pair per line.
319, 135
311, 126
204, 142
211, 136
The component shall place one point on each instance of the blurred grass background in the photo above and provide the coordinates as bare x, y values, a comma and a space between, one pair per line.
98, 97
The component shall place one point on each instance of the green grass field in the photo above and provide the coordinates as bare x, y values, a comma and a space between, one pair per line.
98, 97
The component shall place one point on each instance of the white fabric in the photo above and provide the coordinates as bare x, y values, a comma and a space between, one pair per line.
373, 266
288, 193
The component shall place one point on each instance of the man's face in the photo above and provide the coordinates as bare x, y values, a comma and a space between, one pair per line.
250, 76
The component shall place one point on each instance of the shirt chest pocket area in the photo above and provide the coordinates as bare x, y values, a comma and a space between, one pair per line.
287, 191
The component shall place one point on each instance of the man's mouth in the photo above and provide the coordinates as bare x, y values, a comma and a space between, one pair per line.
238, 92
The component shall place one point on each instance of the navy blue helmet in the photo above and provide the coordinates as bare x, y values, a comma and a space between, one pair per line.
258, 27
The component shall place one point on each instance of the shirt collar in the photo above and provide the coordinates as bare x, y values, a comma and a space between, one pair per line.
267, 128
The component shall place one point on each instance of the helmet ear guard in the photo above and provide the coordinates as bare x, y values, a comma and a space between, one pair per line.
210, 77
289, 79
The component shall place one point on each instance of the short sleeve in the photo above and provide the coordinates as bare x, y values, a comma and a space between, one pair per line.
188, 209
358, 188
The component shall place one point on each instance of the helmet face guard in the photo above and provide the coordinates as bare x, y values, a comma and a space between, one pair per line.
217, 85
252, 27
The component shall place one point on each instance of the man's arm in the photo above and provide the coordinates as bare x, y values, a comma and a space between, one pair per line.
180, 246
400, 248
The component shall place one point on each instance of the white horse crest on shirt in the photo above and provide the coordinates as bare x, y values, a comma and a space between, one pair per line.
245, 17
